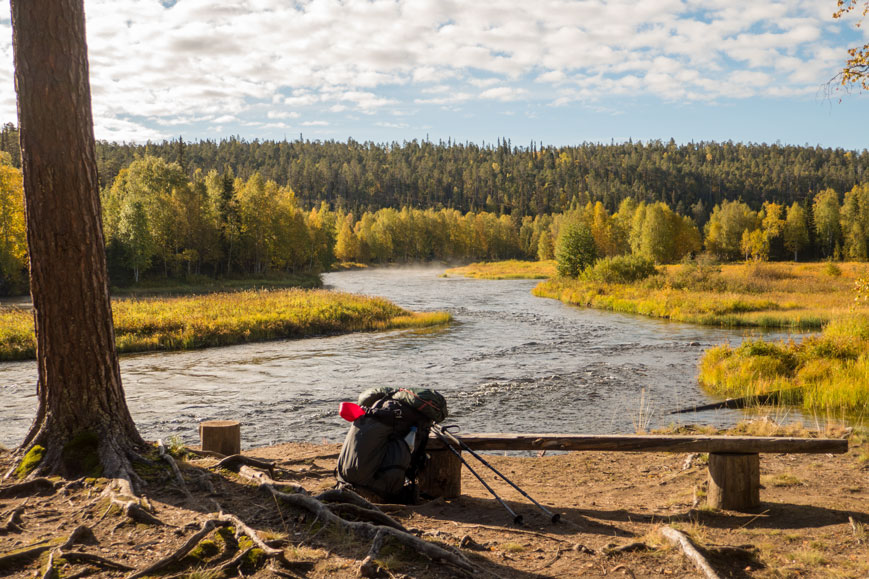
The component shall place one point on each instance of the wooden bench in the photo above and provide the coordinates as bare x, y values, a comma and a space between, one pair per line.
734, 463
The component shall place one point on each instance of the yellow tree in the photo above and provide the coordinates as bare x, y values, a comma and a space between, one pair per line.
856, 69
13, 245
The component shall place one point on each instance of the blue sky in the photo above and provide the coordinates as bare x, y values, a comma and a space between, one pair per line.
552, 71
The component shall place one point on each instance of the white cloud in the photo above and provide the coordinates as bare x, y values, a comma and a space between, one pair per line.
198, 60
315, 124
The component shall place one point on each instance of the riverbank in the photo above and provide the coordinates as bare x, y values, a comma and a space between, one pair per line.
752, 295
812, 521
510, 269
223, 319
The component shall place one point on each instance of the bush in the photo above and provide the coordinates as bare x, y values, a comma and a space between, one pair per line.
621, 269
575, 250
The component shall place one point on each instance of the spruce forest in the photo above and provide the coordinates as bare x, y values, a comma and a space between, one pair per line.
241, 208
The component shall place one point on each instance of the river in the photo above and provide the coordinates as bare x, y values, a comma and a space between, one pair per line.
510, 362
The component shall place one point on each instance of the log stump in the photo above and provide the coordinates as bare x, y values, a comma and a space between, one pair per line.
223, 436
442, 475
734, 481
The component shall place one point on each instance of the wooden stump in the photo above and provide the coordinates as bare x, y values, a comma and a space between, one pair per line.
734, 481
442, 475
223, 436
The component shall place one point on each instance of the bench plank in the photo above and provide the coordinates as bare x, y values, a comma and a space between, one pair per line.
649, 443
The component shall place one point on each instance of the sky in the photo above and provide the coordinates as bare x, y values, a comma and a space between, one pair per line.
554, 72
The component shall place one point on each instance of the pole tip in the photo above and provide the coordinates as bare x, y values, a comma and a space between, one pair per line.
517, 520
556, 517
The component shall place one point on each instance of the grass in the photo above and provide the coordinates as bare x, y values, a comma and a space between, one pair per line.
222, 319
200, 284
762, 295
511, 269
828, 371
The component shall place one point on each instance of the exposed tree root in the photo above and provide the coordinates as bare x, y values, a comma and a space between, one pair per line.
13, 521
629, 548
369, 568
179, 554
164, 454
134, 510
682, 540
262, 478
36, 486
234, 461
26, 553
323, 512
374, 516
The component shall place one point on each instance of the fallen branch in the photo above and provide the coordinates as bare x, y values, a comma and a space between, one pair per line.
682, 540
552, 561
164, 454
31, 487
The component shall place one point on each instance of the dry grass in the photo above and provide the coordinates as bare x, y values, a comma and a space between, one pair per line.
229, 318
511, 269
795, 296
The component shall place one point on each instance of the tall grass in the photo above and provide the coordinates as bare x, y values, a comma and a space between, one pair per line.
827, 372
792, 296
223, 319
510, 269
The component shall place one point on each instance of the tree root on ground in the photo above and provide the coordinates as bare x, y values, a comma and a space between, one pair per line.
364, 529
13, 521
36, 486
690, 551
59, 550
234, 461
164, 454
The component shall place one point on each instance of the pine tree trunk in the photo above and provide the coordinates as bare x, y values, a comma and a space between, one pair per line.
81, 400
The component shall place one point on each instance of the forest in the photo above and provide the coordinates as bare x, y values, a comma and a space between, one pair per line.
242, 208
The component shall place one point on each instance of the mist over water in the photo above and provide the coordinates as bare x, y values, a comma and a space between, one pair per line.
510, 362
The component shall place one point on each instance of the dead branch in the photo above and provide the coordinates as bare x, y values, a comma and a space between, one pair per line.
369, 568
682, 540
37, 486
234, 461
552, 561
13, 521
164, 454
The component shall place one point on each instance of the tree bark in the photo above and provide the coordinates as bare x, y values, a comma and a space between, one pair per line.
79, 383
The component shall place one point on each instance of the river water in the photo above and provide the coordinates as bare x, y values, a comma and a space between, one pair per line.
510, 362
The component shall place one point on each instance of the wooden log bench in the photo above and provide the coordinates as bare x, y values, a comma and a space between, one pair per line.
734, 463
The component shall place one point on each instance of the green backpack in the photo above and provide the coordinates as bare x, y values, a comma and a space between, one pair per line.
429, 402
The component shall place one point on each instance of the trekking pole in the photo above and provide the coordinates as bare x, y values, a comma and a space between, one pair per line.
554, 517
517, 519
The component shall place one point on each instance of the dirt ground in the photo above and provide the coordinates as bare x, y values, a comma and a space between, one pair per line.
812, 522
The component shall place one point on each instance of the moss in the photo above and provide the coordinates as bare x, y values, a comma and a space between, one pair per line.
206, 549
81, 455
30, 461
253, 560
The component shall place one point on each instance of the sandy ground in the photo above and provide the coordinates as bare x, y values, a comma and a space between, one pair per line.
813, 520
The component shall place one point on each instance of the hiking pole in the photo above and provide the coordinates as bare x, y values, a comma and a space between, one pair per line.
517, 519
554, 517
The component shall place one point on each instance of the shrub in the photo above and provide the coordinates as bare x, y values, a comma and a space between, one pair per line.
621, 269
575, 251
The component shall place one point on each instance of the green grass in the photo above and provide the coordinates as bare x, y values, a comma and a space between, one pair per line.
828, 371
200, 284
222, 319
511, 269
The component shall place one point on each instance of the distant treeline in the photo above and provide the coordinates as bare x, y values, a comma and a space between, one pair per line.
504, 178
239, 208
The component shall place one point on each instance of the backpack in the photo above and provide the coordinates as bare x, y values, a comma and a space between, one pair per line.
429, 402
375, 455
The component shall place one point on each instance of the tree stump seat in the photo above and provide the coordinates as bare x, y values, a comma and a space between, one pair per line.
734, 461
